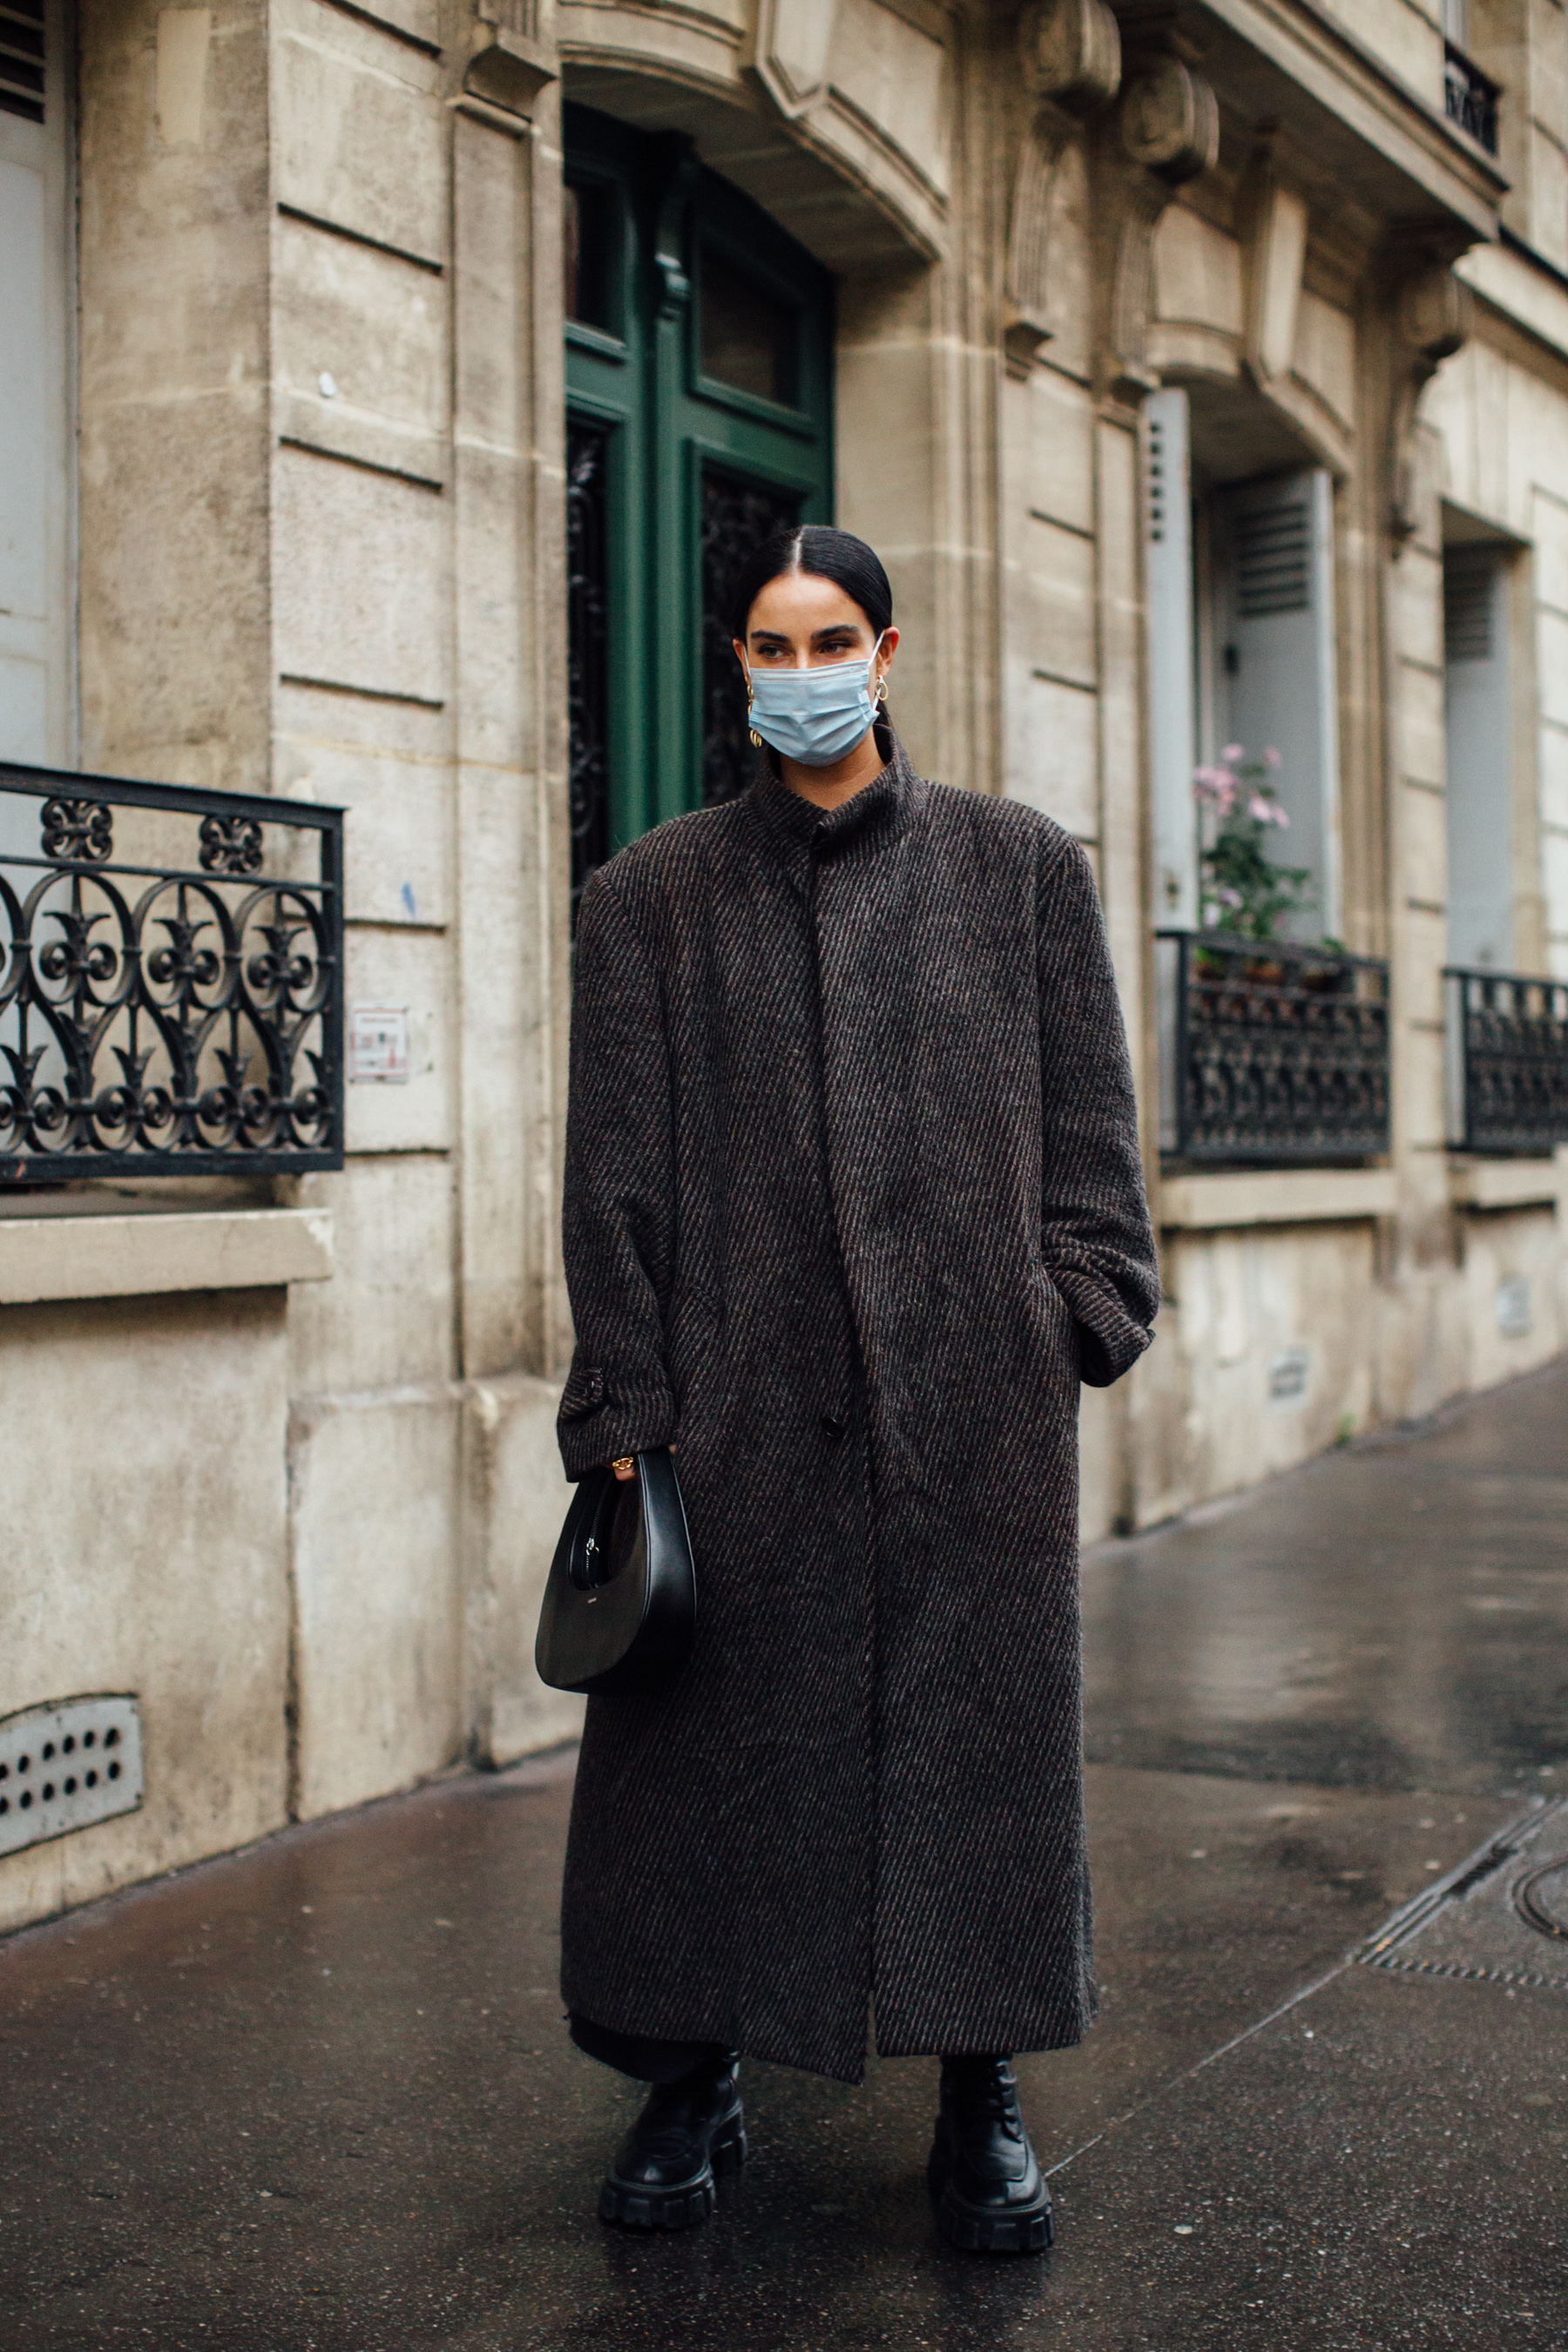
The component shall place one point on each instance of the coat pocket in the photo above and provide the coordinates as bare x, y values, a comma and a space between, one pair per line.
1059, 1322
584, 1392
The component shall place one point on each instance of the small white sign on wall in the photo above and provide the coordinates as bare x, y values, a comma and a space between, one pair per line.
1290, 1376
378, 1044
1513, 1320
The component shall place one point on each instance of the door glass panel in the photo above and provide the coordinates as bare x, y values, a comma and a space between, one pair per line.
749, 338
736, 516
587, 604
588, 273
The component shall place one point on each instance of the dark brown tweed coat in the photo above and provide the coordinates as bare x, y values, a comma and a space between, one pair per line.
853, 1199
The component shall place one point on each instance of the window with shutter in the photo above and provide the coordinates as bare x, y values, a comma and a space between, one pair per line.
37, 690
22, 60
1480, 780
1273, 668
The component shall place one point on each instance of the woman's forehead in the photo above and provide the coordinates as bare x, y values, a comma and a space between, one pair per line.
800, 601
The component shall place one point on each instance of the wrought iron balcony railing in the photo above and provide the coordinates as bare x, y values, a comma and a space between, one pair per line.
171, 981
1508, 1062
1271, 1053
1470, 98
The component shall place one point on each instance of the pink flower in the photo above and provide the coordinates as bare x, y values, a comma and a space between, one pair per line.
1271, 758
1232, 752
1260, 809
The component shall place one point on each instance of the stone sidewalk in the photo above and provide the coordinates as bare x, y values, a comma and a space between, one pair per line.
318, 2098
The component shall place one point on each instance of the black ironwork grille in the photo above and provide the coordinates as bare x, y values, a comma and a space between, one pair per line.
588, 642
171, 981
1470, 98
1275, 1053
1509, 1038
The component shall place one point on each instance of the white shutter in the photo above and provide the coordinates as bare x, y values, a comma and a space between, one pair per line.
37, 697
1168, 582
1480, 783
1275, 657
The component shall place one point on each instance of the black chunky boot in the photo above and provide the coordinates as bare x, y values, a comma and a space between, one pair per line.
662, 2178
991, 2197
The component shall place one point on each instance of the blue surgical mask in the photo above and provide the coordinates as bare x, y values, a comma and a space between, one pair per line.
814, 715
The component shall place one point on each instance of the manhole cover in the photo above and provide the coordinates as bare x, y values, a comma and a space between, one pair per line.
1541, 1898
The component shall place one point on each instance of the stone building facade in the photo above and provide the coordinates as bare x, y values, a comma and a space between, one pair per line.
391, 383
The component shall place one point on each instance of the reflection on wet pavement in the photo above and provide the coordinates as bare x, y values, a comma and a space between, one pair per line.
318, 2098
1389, 1617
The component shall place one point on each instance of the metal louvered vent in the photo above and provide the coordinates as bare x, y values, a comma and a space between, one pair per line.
22, 59
1273, 561
1467, 603
68, 1764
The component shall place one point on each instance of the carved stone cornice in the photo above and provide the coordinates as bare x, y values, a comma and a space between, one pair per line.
1071, 52
1166, 132
508, 64
1430, 318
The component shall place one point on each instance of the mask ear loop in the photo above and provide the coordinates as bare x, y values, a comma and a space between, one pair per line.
755, 738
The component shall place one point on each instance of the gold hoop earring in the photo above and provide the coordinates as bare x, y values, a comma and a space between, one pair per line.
756, 738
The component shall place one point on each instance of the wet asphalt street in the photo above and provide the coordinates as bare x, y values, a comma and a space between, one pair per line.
319, 2098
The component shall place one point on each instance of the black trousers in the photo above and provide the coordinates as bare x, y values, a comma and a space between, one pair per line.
642, 2055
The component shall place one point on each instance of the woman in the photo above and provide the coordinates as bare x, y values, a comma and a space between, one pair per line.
853, 1201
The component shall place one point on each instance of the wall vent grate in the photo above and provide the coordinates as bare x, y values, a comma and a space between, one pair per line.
1273, 561
22, 59
68, 1764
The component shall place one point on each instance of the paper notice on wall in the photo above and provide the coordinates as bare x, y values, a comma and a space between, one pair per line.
378, 1044
1290, 1376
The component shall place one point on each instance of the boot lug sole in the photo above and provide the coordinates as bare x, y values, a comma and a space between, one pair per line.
632, 2205
975, 2230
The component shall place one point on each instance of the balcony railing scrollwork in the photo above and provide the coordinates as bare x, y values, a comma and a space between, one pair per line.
171, 981
1469, 98
1508, 1062
1271, 1053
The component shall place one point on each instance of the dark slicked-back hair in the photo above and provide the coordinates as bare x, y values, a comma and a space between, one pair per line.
826, 554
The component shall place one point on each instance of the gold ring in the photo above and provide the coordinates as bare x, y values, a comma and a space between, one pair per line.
627, 1462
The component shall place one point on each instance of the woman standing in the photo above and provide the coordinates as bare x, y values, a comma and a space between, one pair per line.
853, 1202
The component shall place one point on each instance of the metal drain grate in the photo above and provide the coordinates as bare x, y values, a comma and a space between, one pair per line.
1491, 1919
66, 1765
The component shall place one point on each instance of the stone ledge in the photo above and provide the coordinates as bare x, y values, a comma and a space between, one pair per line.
1505, 1183
101, 1257
1277, 1196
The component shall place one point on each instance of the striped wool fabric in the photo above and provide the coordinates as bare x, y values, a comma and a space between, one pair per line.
853, 1201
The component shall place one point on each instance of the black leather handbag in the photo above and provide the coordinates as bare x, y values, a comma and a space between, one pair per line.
620, 1606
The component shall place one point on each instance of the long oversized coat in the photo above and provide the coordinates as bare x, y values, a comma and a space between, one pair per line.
853, 1201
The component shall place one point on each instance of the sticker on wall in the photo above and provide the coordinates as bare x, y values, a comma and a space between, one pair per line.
1513, 1307
1290, 1376
378, 1044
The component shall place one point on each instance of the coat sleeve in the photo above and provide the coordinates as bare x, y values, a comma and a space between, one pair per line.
1095, 1237
618, 1222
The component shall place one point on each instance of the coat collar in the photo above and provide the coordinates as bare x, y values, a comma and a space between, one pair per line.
800, 832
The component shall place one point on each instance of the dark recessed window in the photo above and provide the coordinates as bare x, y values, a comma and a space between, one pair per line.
749, 338
587, 258
22, 59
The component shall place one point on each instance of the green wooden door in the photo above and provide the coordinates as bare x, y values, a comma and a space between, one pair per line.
699, 377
